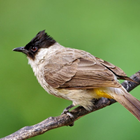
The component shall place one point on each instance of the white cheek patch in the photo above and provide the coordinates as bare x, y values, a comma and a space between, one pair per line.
41, 54
38, 58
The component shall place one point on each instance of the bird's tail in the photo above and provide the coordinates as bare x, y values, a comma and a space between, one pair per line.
129, 102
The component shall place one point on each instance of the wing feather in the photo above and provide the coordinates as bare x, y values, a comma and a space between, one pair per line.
91, 74
73, 68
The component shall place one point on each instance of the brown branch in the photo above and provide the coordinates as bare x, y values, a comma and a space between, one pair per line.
64, 120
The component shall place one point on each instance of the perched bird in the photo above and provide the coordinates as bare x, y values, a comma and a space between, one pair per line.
76, 75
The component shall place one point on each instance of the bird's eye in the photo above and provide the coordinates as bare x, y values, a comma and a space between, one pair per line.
34, 49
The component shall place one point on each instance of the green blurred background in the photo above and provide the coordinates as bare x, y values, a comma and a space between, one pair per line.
108, 29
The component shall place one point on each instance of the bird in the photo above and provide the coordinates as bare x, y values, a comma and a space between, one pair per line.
76, 75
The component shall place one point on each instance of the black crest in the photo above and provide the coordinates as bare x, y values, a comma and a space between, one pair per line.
41, 40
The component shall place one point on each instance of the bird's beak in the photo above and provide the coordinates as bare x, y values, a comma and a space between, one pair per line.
21, 49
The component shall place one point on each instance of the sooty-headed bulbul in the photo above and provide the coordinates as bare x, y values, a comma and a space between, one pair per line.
76, 75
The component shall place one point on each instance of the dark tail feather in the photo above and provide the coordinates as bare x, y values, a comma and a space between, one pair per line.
130, 103
126, 78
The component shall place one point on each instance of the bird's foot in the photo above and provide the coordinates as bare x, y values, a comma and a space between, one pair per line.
66, 111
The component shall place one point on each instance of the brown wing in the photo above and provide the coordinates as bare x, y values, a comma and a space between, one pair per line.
72, 68
91, 74
112, 67
116, 70
60, 67
60, 76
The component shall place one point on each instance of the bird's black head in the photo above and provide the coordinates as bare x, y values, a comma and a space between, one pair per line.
41, 40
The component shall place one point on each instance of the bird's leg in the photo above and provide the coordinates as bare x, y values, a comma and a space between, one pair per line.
66, 110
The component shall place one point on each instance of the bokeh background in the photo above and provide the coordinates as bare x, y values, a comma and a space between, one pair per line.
108, 29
